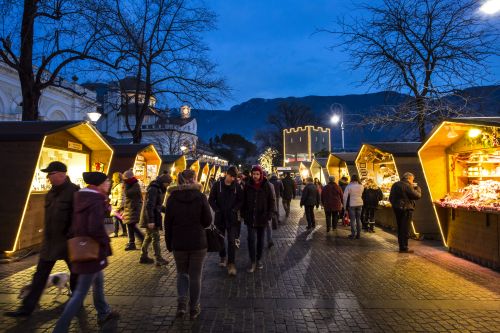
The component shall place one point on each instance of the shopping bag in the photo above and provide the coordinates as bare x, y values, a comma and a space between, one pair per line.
215, 239
346, 220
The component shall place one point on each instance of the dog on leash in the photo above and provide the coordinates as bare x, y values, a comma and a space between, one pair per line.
59, 280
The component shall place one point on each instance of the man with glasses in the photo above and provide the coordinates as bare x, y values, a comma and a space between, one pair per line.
58, 214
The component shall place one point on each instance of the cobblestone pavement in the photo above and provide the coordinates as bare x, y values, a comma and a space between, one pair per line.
311, 282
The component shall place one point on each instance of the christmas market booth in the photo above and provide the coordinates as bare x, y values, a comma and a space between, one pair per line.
341, 165
28, 147
318, 170
173, 164
305, 170
203, 173
194, 165
385, 163
143, 159
461, 161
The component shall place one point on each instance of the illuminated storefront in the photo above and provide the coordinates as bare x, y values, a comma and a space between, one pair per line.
173, 164
385, 162
341, 165
461, 161
29, 147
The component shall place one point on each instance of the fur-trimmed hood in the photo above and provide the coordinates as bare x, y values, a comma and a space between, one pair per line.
184, 187
185, 193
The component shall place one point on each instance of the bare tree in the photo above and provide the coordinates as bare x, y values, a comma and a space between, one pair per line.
162, 46
426, 48
66, 32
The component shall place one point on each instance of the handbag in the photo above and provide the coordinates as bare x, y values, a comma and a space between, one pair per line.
215, 239
82, 249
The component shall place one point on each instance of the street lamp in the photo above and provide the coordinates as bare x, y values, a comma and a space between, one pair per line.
490, 7
94, 116
335, 119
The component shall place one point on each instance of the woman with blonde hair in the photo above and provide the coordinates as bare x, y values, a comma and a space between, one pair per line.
117, 197
372, 194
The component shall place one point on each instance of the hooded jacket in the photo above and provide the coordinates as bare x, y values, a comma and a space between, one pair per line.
332, 197
186, 217
152, 208
259, 203
58, 216
371, 196
226, 201
288, 188
310, 195
88, 220
133, 202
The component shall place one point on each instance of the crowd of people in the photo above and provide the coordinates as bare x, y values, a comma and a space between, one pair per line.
184, 213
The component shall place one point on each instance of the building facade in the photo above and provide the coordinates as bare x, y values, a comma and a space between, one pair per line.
65, 101
301, 144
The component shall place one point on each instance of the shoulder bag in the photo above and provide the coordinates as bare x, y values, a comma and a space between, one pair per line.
82, 249
215, 239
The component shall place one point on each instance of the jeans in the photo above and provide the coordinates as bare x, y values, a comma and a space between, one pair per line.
152, 236
117, 222
255, 233
310, 216
286, 206
189, 266
355, 217
332, 218
43, 269
269, 233
403, 219
132, 231
231, 233
96, 280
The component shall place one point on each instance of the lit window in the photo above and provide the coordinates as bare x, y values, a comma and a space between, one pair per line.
300, 139
291, 140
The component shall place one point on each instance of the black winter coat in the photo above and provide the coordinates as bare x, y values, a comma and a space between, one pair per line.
187, 214
226, 201
288, 188
58, 217
259, 204
152, 208
278, 187
133, 203
310, 196
403, 195
371, 197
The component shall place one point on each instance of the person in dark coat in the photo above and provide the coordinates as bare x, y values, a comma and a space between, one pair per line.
278, 192
117, 200
151, 219
57, 222
132, 209
372, 194
90, 208
257, 210
226, 198
331, 199
402, 198
289, 189
310, 198
343, 182
186, 217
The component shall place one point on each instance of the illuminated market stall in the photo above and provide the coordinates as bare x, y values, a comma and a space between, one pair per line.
203, 173
305, 170
341, 165
461, 161
173, 164
194, 165
28, 147
385, 162
318, 170
143, 159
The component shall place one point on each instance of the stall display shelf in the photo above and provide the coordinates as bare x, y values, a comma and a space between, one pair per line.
484, 197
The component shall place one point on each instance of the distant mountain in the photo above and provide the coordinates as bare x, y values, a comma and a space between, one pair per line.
247, 117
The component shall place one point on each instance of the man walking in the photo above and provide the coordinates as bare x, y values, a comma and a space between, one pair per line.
226, 198
132, 208
309, 199
331, 199
257, 210
57, 223
151, 219
402, 198
289, 188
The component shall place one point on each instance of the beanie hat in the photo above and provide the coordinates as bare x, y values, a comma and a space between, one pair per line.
94, 178
186, 177
232, 171
128, 174
164, 178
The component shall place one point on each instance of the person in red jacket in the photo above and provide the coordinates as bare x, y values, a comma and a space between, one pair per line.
89, 209
331, 199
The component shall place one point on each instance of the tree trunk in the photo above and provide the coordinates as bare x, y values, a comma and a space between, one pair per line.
421, 117
31, 94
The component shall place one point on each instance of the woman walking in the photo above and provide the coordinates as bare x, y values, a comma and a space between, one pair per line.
372, 194
354, 192
187, 215
132, 209
117, 202
88, 220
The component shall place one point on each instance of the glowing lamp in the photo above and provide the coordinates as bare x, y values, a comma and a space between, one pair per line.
94, 116
474, 132
335, 119
490, 7
304, 173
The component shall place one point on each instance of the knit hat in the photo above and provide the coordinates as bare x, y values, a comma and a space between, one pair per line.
55, 166
331, 179
94, 178
128, 174
164, 178
186, 177
232, 171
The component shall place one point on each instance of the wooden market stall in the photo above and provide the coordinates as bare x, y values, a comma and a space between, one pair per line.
28, 147
194, 165
461, 162
143, 159
209, 182
318, 170
173, 164
203, 173
341, 165
385, 162
305, 170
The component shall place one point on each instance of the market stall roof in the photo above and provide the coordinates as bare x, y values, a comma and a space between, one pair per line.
125, 155
189, 163
397, 148
122, 150
322, 161
348, 158
170, 158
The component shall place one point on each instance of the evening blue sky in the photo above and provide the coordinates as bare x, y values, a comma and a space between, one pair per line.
268, 49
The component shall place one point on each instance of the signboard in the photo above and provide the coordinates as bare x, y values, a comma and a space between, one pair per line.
75, 145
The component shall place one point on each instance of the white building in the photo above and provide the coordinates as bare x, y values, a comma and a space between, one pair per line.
171, 134
56, 103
